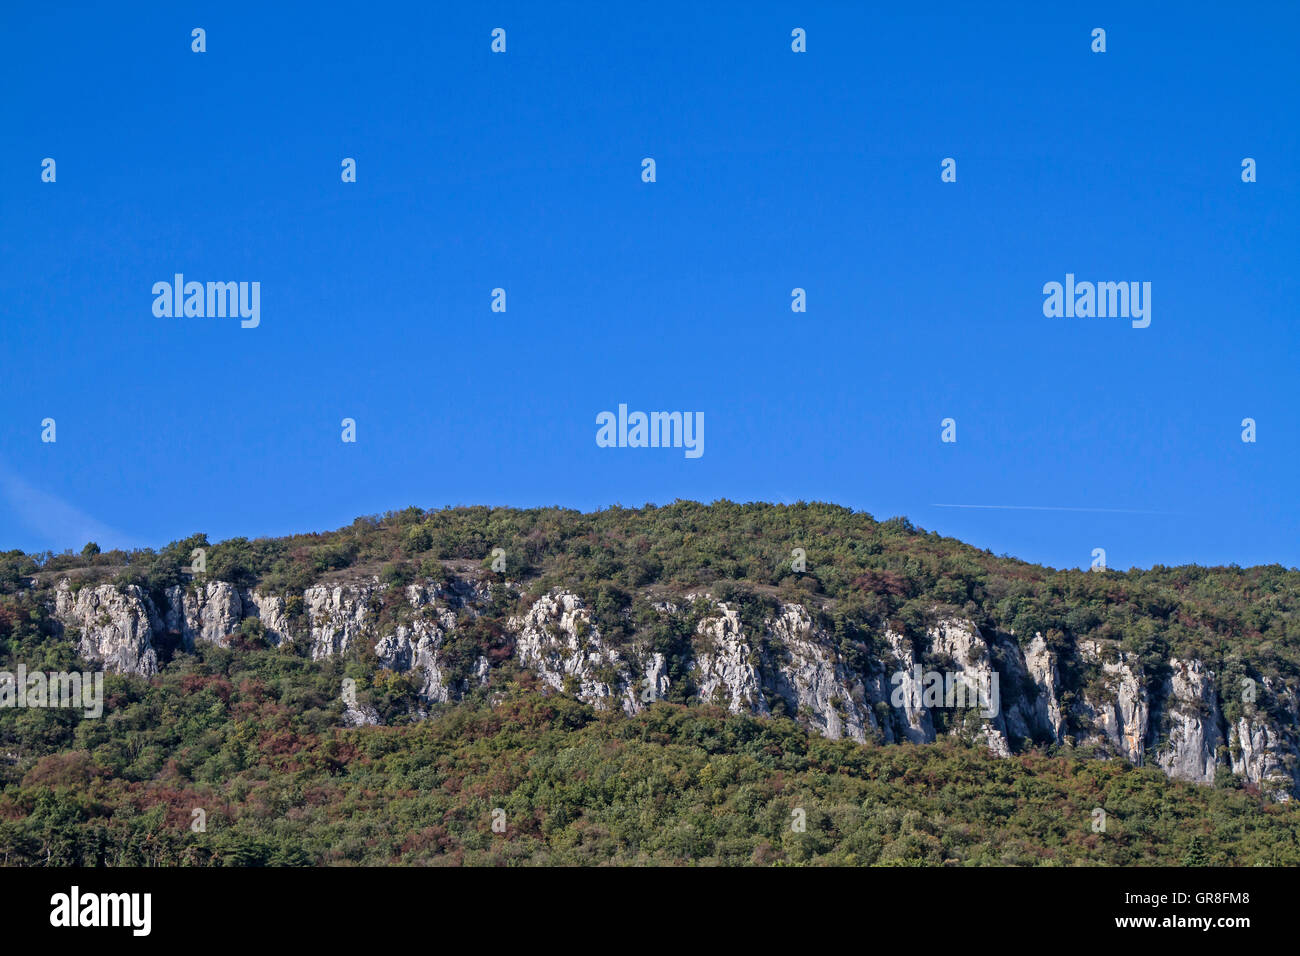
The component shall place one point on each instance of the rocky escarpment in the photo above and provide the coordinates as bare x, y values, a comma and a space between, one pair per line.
1007, 691
117, 628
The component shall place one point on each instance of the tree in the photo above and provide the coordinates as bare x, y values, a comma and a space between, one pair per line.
1196, 854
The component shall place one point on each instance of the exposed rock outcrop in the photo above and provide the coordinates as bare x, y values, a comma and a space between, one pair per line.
1193, 718
114, 626
557, 640
1117, 720
908, 689
1042, 667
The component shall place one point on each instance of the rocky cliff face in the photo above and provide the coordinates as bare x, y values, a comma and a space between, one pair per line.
1003, 690
116, 627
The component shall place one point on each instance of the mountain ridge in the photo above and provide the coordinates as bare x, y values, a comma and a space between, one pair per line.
1191, 669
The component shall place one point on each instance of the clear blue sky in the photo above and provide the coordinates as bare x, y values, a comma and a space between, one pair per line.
775, 170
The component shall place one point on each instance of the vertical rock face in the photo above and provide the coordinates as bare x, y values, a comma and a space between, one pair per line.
211, 614
657, 682
1117, 718
1259, 748
725, 670
557, 640
338, 617
415, 648
907, 692
812, 680
117, 626
1041, 664
272, 610
785, 663
1192, 713
968, 654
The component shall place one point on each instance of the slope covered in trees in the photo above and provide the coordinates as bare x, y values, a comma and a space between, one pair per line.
251, 738
252, 733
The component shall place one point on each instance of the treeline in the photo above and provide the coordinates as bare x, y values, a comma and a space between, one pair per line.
860, 573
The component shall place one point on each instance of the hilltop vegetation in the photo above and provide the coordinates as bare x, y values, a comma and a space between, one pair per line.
861, 572
251, 738
251, 733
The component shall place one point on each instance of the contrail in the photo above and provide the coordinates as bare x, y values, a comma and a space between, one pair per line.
1113, 511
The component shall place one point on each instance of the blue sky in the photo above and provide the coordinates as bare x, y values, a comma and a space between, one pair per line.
775, 170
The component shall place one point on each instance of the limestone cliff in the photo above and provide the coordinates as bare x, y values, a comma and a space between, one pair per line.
903, 689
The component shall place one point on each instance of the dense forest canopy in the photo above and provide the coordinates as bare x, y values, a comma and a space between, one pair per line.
252, 733
251, 739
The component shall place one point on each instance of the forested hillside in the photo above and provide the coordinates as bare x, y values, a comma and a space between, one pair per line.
675, 684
